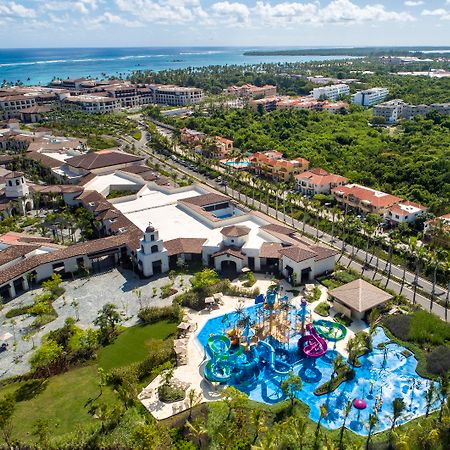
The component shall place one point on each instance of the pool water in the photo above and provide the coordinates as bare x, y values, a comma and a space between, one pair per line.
384, 374
224, 216
238, 163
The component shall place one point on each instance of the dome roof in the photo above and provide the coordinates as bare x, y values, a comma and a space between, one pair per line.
150, 229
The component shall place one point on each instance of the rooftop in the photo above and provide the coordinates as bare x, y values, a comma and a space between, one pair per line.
103, 158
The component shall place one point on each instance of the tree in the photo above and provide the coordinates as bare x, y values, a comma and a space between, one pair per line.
347, 410
205, 278
46, 355
259, 422
42, 429
107, 320
430, 397
197, 430
398, 406
290, 386
7, 407
371, 424
194, 398
233, 398
53, 285
444, 384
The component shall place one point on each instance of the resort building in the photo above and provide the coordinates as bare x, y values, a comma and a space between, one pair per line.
271, 164
364, 199
188, 223
15, 196
219, 148
191, 137
250, 91
333, 92
91, 103
318, 181
285, 102
390, 111
370, 97
175, 95
357, 298
404, 212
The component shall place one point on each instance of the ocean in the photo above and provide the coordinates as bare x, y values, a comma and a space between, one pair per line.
40, 66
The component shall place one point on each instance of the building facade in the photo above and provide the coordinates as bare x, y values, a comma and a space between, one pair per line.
370, 97
333, 92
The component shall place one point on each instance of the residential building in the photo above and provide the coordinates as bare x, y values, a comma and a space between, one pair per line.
91, 103
364, 199
390, 111
285, 102
318, 181
370, 97
333, 92
250, 91
272, 165
175, 95
220, 147
404, 212
191, 137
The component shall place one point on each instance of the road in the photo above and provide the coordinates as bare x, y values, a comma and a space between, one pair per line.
359, 254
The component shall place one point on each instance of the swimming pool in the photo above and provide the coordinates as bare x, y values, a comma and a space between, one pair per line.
238, 163
384, 374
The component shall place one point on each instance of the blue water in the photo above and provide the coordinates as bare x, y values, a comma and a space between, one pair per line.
40, 66
238, 163
224, 216
396, 378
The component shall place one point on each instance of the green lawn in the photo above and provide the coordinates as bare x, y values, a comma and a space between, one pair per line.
132, 344
66, 398
64, 402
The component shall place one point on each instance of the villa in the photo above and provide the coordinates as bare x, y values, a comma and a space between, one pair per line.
318, 181
272, 165
404, 212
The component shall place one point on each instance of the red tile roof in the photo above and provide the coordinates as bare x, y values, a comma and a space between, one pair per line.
184, 245
103, 158
235, 231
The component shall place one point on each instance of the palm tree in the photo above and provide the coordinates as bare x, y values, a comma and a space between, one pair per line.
197, 431
338, 362
194, 398
372, 423
444, 384
398, 406
259, 422
430, 397
347, 410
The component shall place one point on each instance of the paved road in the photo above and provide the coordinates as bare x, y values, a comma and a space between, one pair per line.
396, 272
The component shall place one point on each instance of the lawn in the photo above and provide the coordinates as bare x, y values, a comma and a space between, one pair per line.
65, 401
132, 344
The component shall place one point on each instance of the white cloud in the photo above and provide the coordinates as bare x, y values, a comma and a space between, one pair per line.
414, 3
15, 10
231, 13
441, 13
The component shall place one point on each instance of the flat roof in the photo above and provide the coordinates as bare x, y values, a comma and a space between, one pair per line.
102, 182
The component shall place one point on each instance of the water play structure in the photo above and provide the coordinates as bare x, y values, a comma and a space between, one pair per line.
255, 348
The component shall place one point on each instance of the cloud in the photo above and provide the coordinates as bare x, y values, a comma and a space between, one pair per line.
414, 3
15, 10
231, 13
441, 13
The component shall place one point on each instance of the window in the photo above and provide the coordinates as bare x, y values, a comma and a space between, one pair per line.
10, 182
152, 237
154, 249
17, 182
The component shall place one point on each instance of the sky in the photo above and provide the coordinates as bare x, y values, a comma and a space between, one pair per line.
133, 23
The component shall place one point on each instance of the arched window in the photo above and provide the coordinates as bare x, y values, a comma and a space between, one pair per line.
154, 249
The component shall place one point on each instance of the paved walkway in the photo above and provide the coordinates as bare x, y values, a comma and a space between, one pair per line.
116, 287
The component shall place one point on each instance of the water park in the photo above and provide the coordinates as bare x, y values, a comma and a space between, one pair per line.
255, 348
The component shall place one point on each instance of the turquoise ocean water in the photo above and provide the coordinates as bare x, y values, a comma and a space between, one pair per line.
39, 66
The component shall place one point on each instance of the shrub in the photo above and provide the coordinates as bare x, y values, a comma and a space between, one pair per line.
438, 361
345, 277
344, 320
399, 326
251, 280
154, 314
346, 373
323, 309
428, 328
167, 290
168, 393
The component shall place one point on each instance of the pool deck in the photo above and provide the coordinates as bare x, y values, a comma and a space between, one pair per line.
190, 374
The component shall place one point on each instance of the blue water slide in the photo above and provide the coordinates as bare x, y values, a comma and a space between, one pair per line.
278, 367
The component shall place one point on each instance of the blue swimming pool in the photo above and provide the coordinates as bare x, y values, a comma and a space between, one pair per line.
238, 163
385, 374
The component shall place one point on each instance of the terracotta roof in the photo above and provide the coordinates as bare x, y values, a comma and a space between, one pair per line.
103, 158
360, 295
12, 237
270, 250
297, 254
364, 194
83, 248
184, 245
55, 189
279, 229
322, 252
229, 251
15, 251
235, 231
14, 175
405, 208
36, 109
84, 180
320, 177
205, 199
45, 160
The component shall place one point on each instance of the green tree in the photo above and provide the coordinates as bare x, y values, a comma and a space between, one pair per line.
203, 279
46, 355
42, 429
290, 386
347, 410
107, 320
7, 407
398, 406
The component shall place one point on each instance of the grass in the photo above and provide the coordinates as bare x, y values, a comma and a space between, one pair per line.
63, 402
323, 309
132, 344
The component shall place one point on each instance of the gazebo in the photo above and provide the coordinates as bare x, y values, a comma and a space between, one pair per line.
357, 298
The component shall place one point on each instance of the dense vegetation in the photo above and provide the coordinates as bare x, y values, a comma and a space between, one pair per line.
412, 162
290, 78
427, 336
97, 129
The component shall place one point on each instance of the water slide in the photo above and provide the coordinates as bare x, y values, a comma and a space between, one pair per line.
218, 370
272, 362
218, 344
331, 331
312, 345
